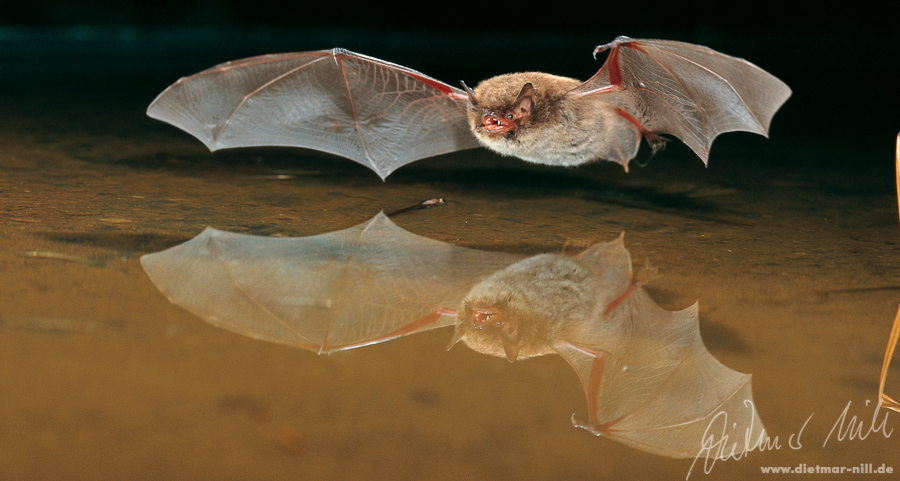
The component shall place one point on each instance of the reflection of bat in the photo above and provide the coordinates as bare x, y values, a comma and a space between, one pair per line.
384, 116
649, 381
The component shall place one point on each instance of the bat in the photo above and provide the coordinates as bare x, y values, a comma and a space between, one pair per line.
648, 379
384, 116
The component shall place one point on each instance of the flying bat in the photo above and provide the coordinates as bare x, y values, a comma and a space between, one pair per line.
648, 379
384, 116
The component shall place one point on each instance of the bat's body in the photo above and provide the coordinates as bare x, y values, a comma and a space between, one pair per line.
648, 380
384, 116
562, 129
537, 305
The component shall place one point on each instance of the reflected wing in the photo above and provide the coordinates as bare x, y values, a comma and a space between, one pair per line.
686, 90
376, 113
650, 383
366, 284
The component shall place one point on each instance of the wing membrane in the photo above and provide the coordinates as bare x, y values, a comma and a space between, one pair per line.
366, 284
689, 91
376, 113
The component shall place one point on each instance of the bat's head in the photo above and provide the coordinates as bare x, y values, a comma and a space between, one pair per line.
518, 114
489, 329
520, 311
497, 112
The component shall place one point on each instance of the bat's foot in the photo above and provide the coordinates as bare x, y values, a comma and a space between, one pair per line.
647, 273
656, 142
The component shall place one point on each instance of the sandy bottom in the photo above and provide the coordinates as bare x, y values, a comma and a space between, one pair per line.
791, 249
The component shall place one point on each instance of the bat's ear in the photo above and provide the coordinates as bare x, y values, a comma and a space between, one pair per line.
457, 335
470, 93
510, 336
524, 103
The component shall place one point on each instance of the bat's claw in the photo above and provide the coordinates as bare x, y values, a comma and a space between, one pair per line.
585, 426
656, 142
615, 43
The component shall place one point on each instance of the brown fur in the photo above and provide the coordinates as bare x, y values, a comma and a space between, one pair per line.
564, 129
548, 298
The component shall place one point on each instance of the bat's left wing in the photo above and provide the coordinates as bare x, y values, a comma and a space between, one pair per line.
650, 383
345, 289
689, 91
377, 113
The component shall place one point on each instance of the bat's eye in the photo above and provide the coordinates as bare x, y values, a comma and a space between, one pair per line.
510, 116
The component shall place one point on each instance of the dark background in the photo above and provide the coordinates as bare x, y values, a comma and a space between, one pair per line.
840, 59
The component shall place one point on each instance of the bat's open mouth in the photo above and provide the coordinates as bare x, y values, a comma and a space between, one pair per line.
496, 126
483, 315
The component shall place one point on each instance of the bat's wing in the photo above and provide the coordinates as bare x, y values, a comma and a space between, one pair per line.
350, 288
376, 113
650, 382
686, 90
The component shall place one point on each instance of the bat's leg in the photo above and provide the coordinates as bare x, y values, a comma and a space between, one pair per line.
597, 367
645, 275
656, 142
590, 364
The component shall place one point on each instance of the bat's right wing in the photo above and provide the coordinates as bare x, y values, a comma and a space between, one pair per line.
650, 383
374, 112
345, 289
689, 91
